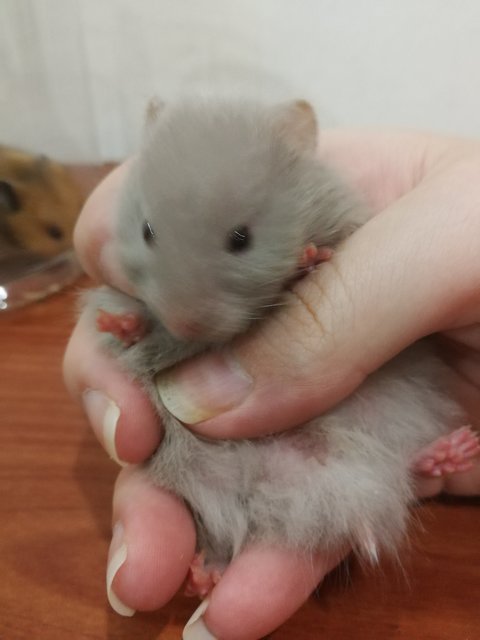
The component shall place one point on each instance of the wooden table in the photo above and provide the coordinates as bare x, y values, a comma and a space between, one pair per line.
56, 485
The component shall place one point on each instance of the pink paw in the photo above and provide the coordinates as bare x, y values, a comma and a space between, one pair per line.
313, 255
449, 454
201, 579
129, 328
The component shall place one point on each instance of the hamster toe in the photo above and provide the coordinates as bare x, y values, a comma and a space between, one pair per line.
448, 454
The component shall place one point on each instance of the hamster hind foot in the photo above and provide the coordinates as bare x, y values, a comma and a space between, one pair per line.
449, 454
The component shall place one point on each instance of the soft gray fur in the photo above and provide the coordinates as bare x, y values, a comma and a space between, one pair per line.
343, 477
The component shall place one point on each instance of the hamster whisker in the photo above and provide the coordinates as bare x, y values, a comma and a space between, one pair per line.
273, 304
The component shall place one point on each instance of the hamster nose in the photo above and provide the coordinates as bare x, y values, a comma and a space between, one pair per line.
185, 329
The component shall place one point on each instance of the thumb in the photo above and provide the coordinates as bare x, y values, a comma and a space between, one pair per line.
412, 270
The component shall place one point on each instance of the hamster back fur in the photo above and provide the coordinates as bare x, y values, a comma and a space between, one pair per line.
215, 214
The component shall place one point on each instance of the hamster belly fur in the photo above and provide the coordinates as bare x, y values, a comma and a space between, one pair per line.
343, 478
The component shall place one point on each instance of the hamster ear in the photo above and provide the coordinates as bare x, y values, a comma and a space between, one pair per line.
154, 108
41, 163
296, 123
9, 201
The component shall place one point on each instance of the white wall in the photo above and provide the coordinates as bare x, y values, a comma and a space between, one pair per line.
75, 74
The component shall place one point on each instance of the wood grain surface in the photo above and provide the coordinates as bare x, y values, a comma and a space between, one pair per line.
56, 486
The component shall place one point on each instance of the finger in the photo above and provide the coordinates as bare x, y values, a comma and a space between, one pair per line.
152, 546
409, 272
93, 235
396, 161
259, 591
119, 410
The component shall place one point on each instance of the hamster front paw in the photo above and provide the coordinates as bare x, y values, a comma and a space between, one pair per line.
128, 327
117, 315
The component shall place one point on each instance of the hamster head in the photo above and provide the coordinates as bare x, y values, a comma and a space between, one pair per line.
212, 218
39, 203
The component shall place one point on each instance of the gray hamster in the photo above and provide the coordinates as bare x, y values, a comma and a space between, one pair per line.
213, 223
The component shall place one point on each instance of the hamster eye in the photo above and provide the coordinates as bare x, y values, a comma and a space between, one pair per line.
9, 202
54, 231
148, 232
239, 239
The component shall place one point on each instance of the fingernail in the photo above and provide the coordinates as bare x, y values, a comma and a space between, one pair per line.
103, 414
117, 556
203, 388
195, 629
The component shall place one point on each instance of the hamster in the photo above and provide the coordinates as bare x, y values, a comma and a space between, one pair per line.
39, 205
222, 204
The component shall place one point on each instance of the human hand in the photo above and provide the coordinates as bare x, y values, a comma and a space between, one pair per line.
409, 272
